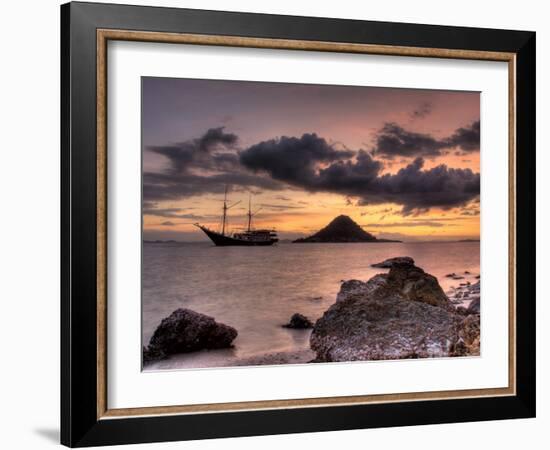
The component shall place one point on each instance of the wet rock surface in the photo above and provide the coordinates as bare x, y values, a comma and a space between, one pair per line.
187, 331
402, 314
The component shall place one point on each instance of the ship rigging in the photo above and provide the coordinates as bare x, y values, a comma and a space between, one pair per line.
248, 237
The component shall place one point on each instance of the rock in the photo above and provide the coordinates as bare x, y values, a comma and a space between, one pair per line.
404, 314
466, 272
478, 277
299, 321
389, 263
187, 331
474, 307
412, 283
468, 342
450, 275
372, 327
354, 287
154, 354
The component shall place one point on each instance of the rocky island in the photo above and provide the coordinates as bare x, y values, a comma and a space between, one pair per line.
342, 229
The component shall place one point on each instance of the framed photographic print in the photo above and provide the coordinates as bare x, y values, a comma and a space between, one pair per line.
276, 224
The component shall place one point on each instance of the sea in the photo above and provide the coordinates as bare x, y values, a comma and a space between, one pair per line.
257, 289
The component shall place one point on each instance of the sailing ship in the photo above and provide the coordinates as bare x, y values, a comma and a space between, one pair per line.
247, 237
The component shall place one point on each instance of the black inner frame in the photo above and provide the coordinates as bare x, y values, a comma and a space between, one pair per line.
79, 424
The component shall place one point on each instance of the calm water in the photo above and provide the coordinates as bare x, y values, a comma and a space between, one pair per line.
257, 289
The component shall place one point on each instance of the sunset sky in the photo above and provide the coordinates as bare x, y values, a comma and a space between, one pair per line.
402, 163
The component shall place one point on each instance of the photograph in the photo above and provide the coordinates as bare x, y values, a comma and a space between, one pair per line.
292, 223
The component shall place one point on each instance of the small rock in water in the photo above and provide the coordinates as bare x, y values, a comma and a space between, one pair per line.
389, 263
299, 321
478, 277
466, 272
451, 275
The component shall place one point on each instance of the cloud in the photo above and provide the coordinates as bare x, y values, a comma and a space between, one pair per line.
175, 213
160, 186
394, 141
200, 152
411, 187
420, 190
279, 207
422, 111
312, 164
289, 158
423, 223
466, 138
199, 166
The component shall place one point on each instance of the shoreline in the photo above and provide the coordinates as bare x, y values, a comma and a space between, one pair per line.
188, 360
457, 301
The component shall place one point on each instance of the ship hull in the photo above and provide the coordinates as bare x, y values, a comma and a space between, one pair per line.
221, 240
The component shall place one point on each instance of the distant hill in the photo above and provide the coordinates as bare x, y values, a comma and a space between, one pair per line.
342, 229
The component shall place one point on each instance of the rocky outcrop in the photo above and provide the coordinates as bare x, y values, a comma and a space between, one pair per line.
187, 331
402, 314
299, 321
389, 263
412, 283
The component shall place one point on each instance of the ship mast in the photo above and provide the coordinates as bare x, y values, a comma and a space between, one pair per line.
249, 213
224, 211
225, 208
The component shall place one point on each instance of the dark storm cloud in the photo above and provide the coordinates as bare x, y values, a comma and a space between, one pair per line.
200, 152
310, 163
214, 152
291, 159
419, 190
394, 141
412, 187
466, 138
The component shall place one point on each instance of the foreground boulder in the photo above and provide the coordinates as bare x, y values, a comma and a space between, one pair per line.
299, 321
187, 331
402, 314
